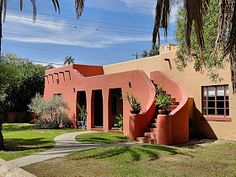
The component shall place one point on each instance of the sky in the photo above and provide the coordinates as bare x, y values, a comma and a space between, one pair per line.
109, 31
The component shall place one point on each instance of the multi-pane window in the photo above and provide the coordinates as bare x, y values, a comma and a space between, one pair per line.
215, 100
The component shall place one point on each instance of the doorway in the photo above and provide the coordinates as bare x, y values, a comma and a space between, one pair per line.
97, 101
81, 108
115, 108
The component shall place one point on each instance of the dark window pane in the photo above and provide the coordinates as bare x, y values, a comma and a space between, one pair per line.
211, 111
220, 98
227, 104
211, 98
211, 104
220, 112
220, 104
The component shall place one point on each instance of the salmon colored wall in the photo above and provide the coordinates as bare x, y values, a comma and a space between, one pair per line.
72, 81
192, 81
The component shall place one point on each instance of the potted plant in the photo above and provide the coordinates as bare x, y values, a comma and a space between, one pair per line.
134, 103
163, 103
119, 121
82, 115
159, 90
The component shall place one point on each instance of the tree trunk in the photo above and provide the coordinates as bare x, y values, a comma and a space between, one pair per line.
232, 57
1, 21
1, 136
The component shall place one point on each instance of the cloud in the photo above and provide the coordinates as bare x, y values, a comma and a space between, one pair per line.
141, 6
44, 23
46, 31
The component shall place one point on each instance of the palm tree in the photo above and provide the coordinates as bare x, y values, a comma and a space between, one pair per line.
69, 60
225, 44
79, 6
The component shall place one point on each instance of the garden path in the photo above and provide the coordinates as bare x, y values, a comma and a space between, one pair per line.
65, 144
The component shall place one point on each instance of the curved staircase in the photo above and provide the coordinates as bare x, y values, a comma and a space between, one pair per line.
172, 128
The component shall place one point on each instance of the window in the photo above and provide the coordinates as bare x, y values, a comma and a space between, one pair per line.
57, 95
215, 100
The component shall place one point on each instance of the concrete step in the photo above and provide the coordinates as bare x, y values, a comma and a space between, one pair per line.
150, 135
142, 139
152, 141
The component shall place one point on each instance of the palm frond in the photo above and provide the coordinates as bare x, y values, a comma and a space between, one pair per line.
21, 5
161, 20
79, 7
194, 12
34, 9
56, 5
4, 10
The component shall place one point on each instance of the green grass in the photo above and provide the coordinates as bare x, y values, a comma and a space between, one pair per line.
24, 139
140, 161
102, 138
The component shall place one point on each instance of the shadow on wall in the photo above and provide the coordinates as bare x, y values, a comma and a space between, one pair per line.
201, 129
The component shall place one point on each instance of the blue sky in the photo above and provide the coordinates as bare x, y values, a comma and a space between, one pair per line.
109, 31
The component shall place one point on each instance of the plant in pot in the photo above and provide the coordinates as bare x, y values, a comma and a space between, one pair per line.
163, 103
120, 121
82, 115
134, 103
159, 90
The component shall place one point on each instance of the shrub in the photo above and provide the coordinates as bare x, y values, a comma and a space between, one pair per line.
82, 115
134, 103
120, 121
159, 90
50, 114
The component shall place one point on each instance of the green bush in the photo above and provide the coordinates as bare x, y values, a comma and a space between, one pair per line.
163, 101
120, 121
50, 114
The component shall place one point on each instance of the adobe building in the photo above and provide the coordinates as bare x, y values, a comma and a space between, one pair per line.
202, 108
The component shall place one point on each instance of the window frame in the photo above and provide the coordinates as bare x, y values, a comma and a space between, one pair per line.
215, 117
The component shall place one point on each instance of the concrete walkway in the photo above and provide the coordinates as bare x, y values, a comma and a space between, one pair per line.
65, 144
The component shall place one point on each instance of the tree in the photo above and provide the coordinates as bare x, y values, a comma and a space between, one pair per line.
27, 80
150, 53
225, 43
20, 81
210, 34
69, 60
145, 54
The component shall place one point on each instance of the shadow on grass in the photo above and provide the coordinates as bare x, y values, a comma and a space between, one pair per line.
100, 140
17, 127
196, 143
20, 144
135, 152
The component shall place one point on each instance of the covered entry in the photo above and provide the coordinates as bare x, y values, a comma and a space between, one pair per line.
97, 108
115, 107
81, 107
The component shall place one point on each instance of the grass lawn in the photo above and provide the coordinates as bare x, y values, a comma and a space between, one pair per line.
24, 139
140, 161
102, 138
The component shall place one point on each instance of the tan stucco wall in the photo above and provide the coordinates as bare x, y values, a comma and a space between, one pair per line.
191, 80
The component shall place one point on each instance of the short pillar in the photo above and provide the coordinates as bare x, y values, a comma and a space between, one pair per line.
164, 135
